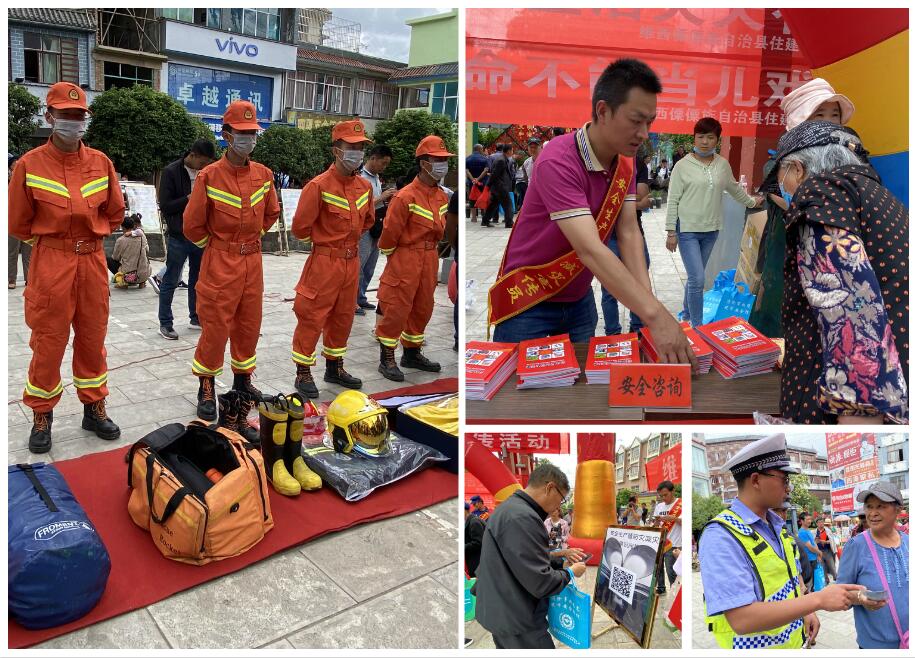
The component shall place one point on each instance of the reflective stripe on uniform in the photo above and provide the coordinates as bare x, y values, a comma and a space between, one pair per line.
330, 351
361, 201
31, 241
37, 392
443, 209
335, 200
412, 338
387, 342
766, 641
94, 187
259, 195
46, 184
94, 382
422, 212
199, 369
202, 243
304, 360
224, 197
244, 365
387, 252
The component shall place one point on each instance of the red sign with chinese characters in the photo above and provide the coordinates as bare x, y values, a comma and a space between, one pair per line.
650, 385
549, 443
843, 500
844, 449
539, 66
666, 466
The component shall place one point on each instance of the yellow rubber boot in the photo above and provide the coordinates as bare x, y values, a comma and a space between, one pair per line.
292, 455
274, 421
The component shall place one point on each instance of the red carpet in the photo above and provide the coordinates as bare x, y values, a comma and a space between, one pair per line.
140, 576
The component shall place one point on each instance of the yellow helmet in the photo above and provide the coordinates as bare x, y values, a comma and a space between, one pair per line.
356, 422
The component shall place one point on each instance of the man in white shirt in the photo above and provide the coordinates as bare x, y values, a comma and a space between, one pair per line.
667, 515
377, 160
523, 177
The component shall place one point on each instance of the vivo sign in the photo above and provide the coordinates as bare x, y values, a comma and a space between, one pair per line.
231, 46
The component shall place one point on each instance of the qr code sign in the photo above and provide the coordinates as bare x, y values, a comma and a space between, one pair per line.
622, 582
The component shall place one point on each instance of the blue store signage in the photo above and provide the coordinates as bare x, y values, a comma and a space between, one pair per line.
209, 91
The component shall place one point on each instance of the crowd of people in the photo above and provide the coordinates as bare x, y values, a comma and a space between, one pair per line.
834, 267
759, 573
65, 197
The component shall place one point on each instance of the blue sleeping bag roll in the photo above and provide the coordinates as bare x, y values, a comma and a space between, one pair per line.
58, 565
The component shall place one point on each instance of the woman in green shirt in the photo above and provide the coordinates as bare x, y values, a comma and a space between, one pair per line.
694, 214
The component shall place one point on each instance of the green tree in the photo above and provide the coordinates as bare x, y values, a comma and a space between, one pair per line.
22, 118
489, 136
142, 130
801, 496
705, 508
285, 150
623, 496
402, 132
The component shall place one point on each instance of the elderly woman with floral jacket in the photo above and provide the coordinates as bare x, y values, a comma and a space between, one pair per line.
845, 308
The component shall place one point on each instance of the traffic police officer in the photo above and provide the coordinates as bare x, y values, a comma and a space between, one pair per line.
64, 197
754, 596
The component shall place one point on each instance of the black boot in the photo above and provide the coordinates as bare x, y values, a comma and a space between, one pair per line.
242, 382
245, 404
413, 358
206, 398
335, 374
388, 366
274, 419
40, 438
228, 410
304, 382
96, 420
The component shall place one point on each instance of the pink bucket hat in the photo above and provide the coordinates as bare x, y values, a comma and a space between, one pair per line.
804, 101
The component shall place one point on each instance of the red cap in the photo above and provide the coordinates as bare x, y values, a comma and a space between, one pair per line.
241, 115
352, 132
67, 96
432, 145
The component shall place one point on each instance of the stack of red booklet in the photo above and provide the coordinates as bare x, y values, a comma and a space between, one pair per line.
700, 348
547, 362
740, 349
606, 350
487, 366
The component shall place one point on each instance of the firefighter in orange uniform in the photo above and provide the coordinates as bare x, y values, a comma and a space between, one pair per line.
413, 226
232, 205
64, 197
334, 210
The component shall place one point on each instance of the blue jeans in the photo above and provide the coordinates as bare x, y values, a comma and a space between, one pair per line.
578, 319
695, 249
368, 258
608, 304
179, 250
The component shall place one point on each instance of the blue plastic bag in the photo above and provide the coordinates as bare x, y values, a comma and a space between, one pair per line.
819, 578
58, 565
470, 601
736, 301
570, 617
711, 300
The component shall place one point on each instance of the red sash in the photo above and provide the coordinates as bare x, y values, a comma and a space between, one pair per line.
527, 286
667, 525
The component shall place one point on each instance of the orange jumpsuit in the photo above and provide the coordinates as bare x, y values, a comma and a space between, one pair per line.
333, 212
64, 204
413, 226
229, 210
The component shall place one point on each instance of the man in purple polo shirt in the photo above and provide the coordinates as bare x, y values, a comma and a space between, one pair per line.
562, 201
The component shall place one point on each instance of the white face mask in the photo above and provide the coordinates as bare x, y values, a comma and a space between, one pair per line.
352, 160
244, 144
438, 170
69, 130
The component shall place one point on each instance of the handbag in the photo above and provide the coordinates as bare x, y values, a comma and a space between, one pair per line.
570, 616
482, 201
475, 191
727, 299
903, 637
819, 578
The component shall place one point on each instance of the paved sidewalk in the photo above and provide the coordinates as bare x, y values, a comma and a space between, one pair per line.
390, 584
661, 638
837, 629
485, 247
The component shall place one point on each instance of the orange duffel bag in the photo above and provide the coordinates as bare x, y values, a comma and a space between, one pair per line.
201, 492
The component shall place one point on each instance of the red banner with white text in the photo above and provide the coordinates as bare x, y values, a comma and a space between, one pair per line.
539, 66
535, 443
666, 466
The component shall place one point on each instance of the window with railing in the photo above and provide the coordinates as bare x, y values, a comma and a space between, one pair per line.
654, 446
318, 92
50, 59
620, 474
263, 23
375, 99
634, 471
